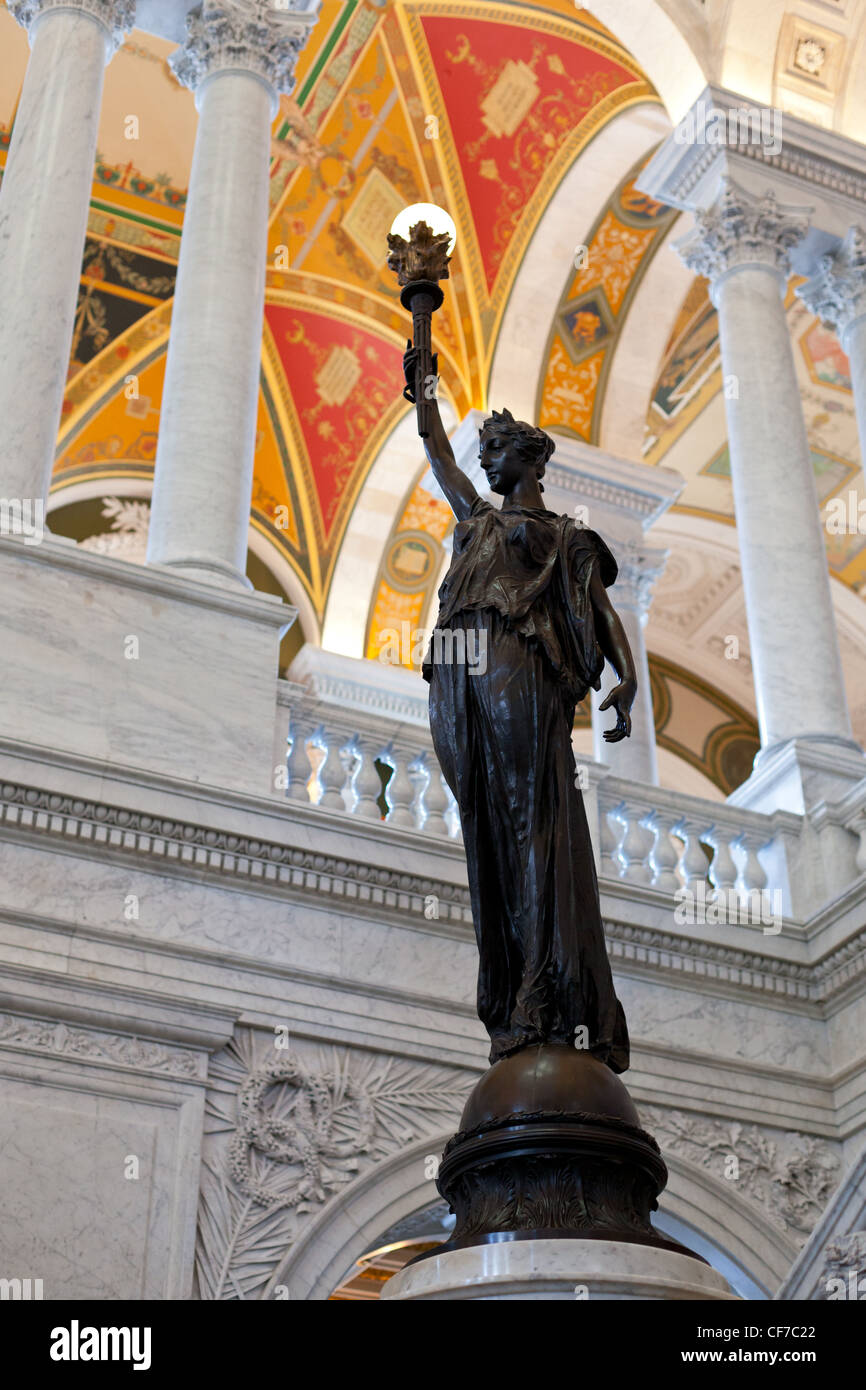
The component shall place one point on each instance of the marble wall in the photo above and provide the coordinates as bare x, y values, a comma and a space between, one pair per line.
187, 952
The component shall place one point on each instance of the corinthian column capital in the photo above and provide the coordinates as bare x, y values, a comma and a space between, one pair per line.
743, 230
837, 290
262, 37
117, 17
640, 567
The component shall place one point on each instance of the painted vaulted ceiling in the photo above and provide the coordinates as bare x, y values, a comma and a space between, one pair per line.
479, 107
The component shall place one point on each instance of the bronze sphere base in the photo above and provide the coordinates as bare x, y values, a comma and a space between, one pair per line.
550, 1146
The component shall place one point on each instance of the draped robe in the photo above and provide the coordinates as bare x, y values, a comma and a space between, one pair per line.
518, 586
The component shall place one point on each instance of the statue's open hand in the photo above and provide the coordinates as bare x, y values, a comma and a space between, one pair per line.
621, 698
410, 369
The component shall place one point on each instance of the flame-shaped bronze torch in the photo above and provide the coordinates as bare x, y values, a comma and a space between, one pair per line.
419, 246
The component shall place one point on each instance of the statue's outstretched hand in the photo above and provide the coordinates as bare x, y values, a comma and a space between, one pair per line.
621, 698
410, 367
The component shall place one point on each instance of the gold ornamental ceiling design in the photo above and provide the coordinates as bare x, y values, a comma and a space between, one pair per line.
593, 308
479, 107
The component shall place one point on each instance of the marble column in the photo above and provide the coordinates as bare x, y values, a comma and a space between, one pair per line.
44, 201
837, 293
634, 757
237, 58
742, 243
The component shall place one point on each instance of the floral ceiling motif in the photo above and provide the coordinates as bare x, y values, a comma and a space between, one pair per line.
593, 308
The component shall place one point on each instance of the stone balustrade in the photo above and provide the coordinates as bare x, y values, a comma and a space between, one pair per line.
354, 739
666, 840
345, 750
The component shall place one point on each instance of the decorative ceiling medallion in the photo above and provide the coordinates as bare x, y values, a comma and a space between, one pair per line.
586, 324
411, 560
809, 58
369, 219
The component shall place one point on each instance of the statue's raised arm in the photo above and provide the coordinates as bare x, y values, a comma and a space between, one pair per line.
457, 487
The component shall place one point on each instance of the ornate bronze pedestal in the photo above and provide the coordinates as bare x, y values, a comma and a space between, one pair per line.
549, 1145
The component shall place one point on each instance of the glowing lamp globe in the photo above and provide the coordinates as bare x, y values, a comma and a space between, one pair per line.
437, 220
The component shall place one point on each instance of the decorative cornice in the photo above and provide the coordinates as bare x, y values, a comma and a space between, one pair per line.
742, 230
117, 17
724, 965
256, 862
837, 290
822, 163
592, 489
355, 695
43, 1037
254, 36
267, 865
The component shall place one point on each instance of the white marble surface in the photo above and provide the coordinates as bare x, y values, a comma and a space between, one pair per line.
111, 662
204, 463
253, 912
70, 1214
577, 1270
44, 203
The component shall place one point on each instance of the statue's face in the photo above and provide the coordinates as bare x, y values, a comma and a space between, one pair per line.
501, 462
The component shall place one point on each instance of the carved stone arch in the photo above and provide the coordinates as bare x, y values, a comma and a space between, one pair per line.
519, 356
396, 1187
652, 33
398, 465
353, 1220
729, 1222
639, 349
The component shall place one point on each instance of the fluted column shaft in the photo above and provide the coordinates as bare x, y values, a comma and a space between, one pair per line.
44, 202
742, 244
237, 59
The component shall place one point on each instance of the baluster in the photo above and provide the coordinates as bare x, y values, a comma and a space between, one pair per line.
664, 855
723, 869
350, 760
400, 792
634, 847
417, 771
435, 802
298, 765
609, 841
368, 783
452, 814
693, 861
857, 826
752, 877
331, 773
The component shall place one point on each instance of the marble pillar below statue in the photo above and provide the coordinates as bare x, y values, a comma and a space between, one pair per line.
577, 1270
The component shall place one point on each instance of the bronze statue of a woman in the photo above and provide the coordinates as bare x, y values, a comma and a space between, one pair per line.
531, 588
